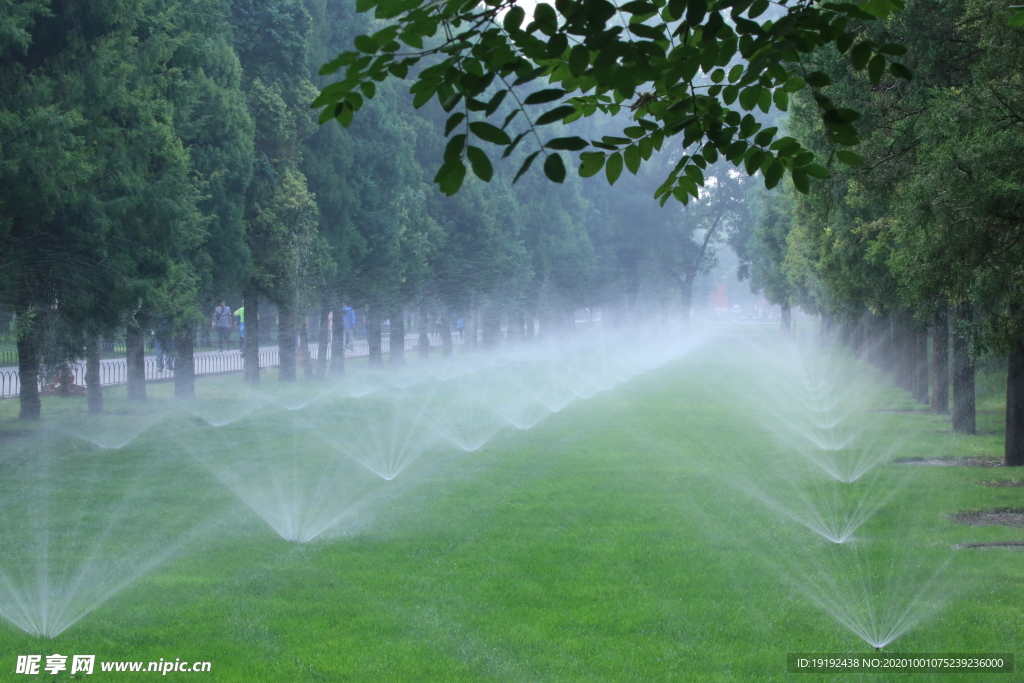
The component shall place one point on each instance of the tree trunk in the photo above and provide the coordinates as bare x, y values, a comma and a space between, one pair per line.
517, 326
471, 329
447, 347
135, 344
963, 376
28, 333
338, 340
787, 318
857, 340
423, 344
888, 353
490, 321
93, 390
373, 337
396, 352
940, 361
251, 354
323, 337
303, 350
1013, 453
921, 365
185, 361
686, 290
286, 345
903, 350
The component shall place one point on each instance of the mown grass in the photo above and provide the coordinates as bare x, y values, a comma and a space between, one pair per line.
608, 543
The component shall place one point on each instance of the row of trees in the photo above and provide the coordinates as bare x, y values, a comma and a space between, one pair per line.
157, 156
925, 233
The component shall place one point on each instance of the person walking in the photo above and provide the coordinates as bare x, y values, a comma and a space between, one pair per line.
240, 314
222, 321
348, 323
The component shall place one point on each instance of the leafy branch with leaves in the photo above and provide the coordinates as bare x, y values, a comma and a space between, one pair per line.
693, 70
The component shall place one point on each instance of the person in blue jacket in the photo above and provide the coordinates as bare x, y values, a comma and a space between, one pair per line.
348, 323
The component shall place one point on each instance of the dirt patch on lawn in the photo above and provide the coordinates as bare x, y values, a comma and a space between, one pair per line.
952, 462
1003, 483
1009, 517
993, 544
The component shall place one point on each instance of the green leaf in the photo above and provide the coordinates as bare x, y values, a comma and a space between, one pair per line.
557, 46
757, 8
545, 18
495, 102
847, 157
900, 71
880, 8
876, 68
572, 144
544, 96
860, 55
648, 32
366, 44
735, 73
344, 112
489, 133
1017, 18
749, 97
450, 176
800, 181
592, 163
632, 157
450, 102
646, 147
453, 150
764, 138
695, 11
709, 152
781, 99
579, 60
773, 175
482, 167
514, 18
794, 84
556, 114
752, 160
515, 142
453, 120
816, 171
818, 79
718, 75
525, 167
639, 7
554, 168
344, 59
613, 168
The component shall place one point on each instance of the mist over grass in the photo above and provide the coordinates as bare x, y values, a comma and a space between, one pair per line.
650, 528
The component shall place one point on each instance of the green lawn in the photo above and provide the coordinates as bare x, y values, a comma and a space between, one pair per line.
616, 540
